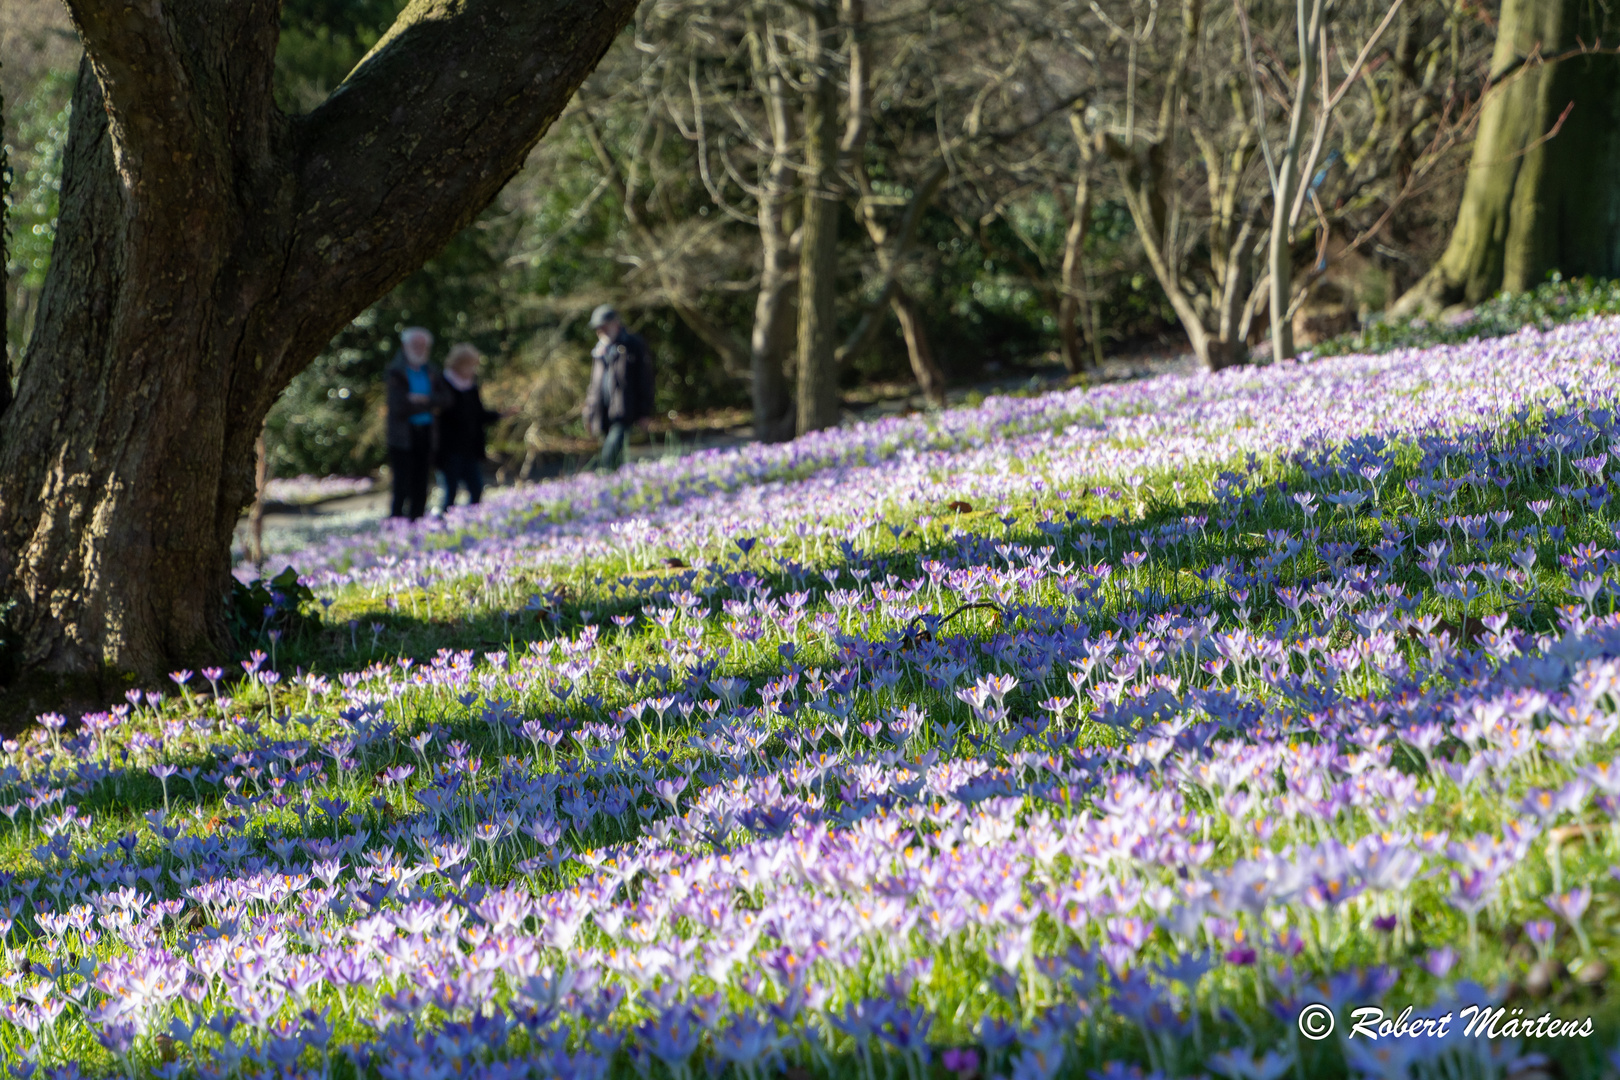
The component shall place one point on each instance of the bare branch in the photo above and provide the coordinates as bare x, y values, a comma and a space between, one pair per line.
892, 260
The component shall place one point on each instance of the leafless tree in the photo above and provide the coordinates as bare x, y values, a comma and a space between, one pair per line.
794, 115
1274, 125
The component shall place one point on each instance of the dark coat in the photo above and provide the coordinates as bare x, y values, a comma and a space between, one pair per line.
400, 408
462, 423
621, 390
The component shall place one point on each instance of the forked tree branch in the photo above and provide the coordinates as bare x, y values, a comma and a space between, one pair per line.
426, 131
162, 115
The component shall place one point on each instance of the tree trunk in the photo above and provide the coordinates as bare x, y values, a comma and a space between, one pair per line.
1533, 204
1222, 353
1145, 175
818, 249
1141, 175
929, 378
1075, 295
771, 343
1280, 258
208, 247
5, 258
118, 536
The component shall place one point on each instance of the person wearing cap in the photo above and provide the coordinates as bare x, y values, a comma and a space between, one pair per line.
416, 392
621, 389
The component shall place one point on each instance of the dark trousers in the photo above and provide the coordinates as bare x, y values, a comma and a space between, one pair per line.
412, 466
462, 470
612, 446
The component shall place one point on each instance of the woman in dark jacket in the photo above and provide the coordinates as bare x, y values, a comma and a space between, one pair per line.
415, 393
461, 426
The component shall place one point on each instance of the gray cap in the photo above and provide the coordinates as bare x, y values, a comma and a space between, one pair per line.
603, 315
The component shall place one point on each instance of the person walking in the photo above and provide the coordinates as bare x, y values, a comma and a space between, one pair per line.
415, 391
462, 424
621, 390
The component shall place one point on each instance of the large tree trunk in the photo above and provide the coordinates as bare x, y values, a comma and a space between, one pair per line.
127, 454
818, 248
5, 258
1533, 204
208, 247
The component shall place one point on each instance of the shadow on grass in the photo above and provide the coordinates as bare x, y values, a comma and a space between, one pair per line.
1174, 551
1170, 568
1176, 545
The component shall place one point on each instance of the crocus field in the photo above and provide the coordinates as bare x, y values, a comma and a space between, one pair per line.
1098, 734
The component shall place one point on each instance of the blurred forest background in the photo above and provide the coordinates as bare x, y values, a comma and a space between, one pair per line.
1020, 186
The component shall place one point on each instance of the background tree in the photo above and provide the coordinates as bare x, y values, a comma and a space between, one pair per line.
1225, 161
1078, 306
715, 211
209, 245
937, 95
737, 81
1533, 202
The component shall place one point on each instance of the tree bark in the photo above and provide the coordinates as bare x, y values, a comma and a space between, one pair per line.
208, 247
1533, 204
818, 405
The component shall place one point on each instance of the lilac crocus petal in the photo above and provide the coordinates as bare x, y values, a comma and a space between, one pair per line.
1439, 962
1539, 931
1570, 905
